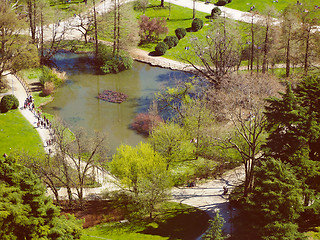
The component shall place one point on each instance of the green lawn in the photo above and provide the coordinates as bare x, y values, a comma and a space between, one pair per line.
176, 221
261, 5
17, 134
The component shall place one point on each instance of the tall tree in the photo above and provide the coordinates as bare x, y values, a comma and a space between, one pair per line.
288, 24
293, 124
15, 53
241, 102
142, 172
26, 213
275, 204
218, 54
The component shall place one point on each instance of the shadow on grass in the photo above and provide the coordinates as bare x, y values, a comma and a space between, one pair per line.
184, 224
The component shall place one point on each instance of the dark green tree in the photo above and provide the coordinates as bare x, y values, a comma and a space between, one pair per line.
215, 229
25, 211
275, 204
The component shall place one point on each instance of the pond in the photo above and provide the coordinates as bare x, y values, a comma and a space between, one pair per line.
76, 103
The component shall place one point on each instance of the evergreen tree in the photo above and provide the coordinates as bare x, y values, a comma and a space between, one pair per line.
25, 211
215, 229
275, 204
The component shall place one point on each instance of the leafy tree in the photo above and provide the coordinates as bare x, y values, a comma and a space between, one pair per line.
15, 52
215, 229
151, 29
293, 123
275, 203
25, 211
142, 172
171, 141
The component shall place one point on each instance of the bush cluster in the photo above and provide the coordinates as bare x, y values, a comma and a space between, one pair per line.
144, 122
222, 2
113, 64
197, 24
9, 102
50, 75
171, 41
161, 48
215, 12
180, 33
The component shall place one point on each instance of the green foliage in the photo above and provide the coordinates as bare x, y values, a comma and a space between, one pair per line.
215, 229
171, 141
48, 75
197, 24
222, 2
161, 48
171, 41
275, 204
24, 206
215, 12
9, 102
142, 171
180, 33
111, 63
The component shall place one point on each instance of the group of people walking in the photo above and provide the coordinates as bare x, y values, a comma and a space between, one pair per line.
42, 120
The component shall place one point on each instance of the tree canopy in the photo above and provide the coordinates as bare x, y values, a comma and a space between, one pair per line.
25, 211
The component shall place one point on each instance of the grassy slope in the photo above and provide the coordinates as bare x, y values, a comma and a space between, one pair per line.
177, 221
16, 134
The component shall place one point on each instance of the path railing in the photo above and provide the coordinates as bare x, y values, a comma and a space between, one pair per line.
23, 83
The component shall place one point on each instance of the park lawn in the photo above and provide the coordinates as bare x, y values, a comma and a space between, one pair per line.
175, 221
17, 134
180, 18
261, 5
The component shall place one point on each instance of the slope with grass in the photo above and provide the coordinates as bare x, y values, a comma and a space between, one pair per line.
17, 134
175, 221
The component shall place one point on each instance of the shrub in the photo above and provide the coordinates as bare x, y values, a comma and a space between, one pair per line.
9, 102
161, 48
110, 64
180, 33
222, 2
215, 12
48, 89
51, 75
171, 41
197, 24
144, 122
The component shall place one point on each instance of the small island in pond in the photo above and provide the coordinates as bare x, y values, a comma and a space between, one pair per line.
112, 96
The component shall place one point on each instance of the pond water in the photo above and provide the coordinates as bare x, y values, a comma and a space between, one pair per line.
76, 103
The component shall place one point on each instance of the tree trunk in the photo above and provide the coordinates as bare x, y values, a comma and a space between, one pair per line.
118, 30
114, 29
265, 50
252, 47
288, 54
306, 57
162, 3
95, 29
194, 9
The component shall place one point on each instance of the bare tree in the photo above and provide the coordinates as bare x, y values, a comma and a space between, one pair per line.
85, 24
241, 101
219, 54
79, 153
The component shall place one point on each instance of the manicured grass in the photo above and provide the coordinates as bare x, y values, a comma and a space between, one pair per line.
176, 221
17, 134
262, 5
180, 17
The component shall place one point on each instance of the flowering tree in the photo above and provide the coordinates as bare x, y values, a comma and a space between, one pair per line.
151, 29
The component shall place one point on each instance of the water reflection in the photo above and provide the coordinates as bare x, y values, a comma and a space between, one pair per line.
76, 101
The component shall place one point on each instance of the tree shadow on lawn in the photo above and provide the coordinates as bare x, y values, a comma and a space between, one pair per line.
183, 224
